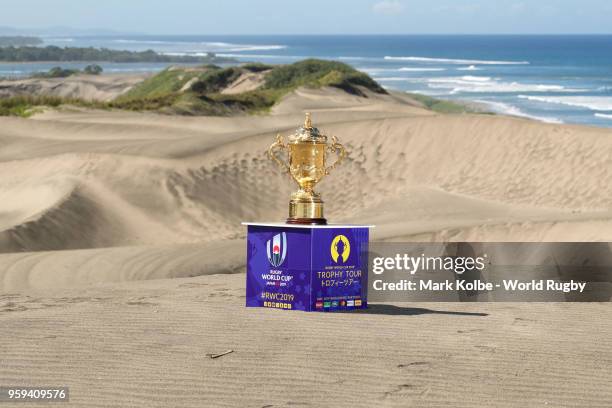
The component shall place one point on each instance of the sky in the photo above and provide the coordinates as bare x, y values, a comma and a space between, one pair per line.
313, 16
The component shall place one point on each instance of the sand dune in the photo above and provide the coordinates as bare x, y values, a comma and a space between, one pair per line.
102, 212
248, 81
87, 87
100, 179
43, 271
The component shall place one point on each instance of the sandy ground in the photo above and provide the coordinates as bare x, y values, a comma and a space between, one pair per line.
146, 344
122, 258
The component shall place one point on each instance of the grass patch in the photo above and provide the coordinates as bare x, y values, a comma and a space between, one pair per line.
316, 73
257, 101
149, 103
168, 81
25, 106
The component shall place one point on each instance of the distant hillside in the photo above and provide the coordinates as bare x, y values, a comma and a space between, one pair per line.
71, 54
19, 41
247, 88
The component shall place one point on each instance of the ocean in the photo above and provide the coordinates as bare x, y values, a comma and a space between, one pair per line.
552, 78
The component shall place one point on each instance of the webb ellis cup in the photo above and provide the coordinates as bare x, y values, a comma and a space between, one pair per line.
307, 150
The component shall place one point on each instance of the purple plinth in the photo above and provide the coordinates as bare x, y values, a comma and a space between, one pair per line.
307, 267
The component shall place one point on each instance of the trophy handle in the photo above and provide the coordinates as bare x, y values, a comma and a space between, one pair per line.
336, 147
278, 145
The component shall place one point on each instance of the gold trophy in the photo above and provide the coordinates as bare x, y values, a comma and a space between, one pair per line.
307, 149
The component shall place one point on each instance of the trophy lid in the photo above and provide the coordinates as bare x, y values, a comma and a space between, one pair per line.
308, 133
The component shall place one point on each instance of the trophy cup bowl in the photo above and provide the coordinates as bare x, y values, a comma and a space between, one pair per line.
307, 150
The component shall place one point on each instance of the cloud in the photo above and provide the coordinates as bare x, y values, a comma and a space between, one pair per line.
458, 8
518, 8
388, 7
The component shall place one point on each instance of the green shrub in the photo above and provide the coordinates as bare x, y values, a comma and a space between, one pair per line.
215, 80
57, 72
93, 69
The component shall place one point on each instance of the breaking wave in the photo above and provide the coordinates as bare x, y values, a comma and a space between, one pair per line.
595, 103
264, 56
412, 69
470, 68
396, 79
457, 61
507, 109
481, 84
213, 46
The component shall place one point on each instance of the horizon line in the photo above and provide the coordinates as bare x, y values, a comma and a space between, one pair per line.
295, 34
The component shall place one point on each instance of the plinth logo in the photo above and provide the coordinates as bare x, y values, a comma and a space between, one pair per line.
340, 249
277, 249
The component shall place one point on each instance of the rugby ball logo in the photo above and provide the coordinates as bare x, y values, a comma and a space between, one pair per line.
277, 249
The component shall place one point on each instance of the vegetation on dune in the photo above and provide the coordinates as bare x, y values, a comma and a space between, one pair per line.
168, 81
56, 72
194, 91
199, 90
216, 80
153, 103
25, 106
259, 100
19, 41
317, 73
53, 53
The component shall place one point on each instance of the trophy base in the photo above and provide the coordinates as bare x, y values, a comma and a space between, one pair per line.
306, 211
307, 221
